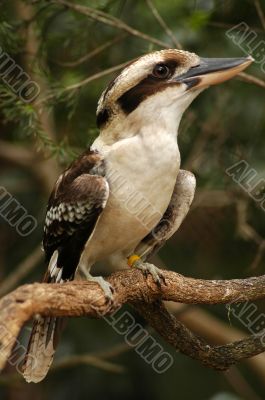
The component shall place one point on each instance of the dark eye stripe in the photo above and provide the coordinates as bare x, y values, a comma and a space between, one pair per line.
102, 117
150, 85
131, 99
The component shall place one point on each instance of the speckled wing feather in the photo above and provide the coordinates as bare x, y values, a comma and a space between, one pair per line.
79, 196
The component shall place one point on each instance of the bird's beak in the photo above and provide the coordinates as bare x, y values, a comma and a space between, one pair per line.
212, 71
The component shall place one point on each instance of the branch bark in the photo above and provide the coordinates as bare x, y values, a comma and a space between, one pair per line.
130, 286
215, 331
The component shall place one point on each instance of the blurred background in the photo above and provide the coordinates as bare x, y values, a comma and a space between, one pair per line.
72, 53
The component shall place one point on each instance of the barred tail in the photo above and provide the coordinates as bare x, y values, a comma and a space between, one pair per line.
44, 336
40, 350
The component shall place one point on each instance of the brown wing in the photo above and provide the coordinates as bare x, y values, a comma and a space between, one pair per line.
74, 207
79, 196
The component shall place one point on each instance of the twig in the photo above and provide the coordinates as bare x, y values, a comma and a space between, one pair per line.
114, 351
130, 286
240, 384
96, 359
21, 271
260, 13
244, 229
213, 198
88, 359
108, 19
84, 82
95, 76
163, 24
175, 333
248, 232
92, 53
223, 25
27, 157
258, 256
215, 331
251, 79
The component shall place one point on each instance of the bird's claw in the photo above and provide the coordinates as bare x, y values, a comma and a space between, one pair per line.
151, 269
108, 293
104, 285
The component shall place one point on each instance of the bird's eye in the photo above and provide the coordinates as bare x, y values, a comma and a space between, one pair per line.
161, 71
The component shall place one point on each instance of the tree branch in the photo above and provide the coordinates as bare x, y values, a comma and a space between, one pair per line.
176, 334
163, 24
28, 158
215, 331
98, 359
251, 79
23, 268
84, 82
108, 19
93, 53
260, 12
130, 286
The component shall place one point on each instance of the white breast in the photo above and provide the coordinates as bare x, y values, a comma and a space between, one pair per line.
141, 172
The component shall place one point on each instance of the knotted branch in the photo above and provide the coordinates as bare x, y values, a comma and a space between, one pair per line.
81, 298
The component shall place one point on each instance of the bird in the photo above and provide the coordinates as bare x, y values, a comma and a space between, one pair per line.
125, 195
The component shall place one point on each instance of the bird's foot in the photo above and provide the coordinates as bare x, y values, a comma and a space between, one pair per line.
104, 285
147, 268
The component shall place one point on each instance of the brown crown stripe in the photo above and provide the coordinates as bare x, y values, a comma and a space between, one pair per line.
113, 82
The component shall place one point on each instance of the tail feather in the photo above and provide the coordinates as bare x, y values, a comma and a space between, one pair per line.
40, 351
44, 336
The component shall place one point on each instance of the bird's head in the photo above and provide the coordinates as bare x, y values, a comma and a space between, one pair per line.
157, 88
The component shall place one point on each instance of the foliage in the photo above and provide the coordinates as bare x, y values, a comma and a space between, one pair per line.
58, 48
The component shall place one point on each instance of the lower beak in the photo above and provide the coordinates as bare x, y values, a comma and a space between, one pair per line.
212, 71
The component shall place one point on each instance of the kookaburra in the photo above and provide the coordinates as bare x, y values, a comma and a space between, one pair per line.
126, 195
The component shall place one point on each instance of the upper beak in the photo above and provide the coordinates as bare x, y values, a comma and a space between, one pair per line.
212, 71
